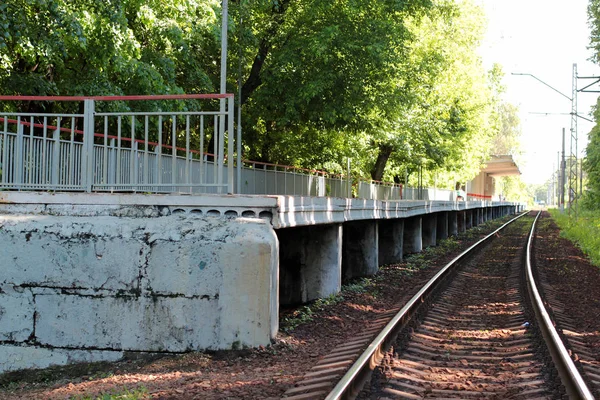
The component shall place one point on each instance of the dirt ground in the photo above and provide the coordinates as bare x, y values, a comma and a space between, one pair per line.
263, 373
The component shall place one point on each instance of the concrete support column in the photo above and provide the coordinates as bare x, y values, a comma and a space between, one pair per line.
310, 263
360, 249
442, 226
391, 237
453, 223
413, 240
481, 212
469, 219
429, 230
461, 221
489, 214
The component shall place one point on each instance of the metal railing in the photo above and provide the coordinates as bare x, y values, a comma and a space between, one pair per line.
265, 178
184, 147
139, 151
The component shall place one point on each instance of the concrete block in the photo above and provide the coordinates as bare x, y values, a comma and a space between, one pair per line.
143, 324
14, 358
469, 219
391, 241
442, 226
462, 221
453, 223
310, 262
360, 249
429, 230
67, 252
16, 314
413, 239
248, 301
232, 260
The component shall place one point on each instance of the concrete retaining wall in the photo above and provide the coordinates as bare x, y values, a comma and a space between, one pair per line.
88, 277
89, 286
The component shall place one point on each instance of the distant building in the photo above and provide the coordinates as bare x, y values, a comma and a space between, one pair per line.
484, 184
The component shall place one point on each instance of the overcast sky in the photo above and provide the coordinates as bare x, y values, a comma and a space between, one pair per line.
543, 38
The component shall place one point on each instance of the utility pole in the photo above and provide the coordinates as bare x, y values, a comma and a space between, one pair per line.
587, 89
224, 19
573, 176
562, 174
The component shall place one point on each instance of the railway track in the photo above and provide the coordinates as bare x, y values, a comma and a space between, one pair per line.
475, 330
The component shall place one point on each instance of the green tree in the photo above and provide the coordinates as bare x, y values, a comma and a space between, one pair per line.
95, 47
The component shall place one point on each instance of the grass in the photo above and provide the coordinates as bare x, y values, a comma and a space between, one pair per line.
582, 228
306, 313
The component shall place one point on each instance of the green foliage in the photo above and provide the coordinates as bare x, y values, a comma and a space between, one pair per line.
581, 226
394, 85
359, 286
94, 47
306, 313
591, 163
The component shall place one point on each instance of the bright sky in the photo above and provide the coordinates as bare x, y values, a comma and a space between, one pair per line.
543, 38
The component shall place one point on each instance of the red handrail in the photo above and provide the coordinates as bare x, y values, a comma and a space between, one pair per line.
120, 98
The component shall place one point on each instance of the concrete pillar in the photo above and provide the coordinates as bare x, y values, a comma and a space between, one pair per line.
413, 240
360, 250
442, 226
490, 216
391, 237
310, 263
453, 223
461, 221
469, 219
429, 228
481, 212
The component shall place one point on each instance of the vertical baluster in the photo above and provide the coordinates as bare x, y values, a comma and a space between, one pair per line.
188, 155
159, 170
146, 150
118, 179
215, 151
105, 152
201, 171
56, 155
174, 153
132, 158
19, 164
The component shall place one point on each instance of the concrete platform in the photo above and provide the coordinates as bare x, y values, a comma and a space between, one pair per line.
87, 277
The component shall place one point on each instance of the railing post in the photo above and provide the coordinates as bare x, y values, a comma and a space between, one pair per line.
87, 156
230, 140
349, 180
220, 154
19, 167
56, 156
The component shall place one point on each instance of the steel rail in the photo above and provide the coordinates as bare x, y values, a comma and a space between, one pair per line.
351, 383
569, 375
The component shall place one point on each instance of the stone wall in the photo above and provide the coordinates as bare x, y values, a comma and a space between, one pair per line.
87, 283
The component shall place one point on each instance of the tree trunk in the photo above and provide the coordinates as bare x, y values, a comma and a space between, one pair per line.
265, 154
385, 151
254, 80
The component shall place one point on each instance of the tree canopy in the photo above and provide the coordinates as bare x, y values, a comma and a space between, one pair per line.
591, 164
396, 86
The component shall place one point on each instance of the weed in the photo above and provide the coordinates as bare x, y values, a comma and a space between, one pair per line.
583, 228
306, 313
359, 286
